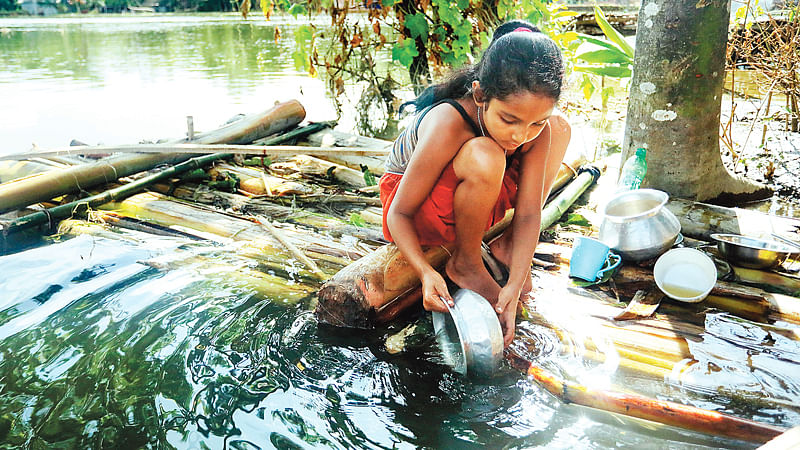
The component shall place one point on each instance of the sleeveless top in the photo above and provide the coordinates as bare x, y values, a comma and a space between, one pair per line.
404, 145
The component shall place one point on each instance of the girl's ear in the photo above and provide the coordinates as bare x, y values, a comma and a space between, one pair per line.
477, 93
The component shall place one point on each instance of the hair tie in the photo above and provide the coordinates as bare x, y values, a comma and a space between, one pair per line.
523, 29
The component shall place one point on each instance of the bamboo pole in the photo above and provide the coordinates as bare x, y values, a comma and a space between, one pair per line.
17, 194
660, 411
306, 165
263, 283
81, 206
198, 149
363, 293
375, 164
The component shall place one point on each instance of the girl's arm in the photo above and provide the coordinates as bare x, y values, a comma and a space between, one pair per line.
540, 165
441, 134
527, 218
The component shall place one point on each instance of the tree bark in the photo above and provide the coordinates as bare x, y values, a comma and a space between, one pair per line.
675, 100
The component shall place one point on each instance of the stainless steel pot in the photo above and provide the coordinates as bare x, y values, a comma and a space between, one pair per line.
638, 226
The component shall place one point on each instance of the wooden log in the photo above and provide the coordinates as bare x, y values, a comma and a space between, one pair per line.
360, 295
701, 220
17, 194
660, 411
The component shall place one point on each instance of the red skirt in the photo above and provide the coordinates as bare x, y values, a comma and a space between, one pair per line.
435, 219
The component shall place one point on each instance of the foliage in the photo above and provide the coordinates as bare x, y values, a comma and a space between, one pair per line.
423, 37
597, 58
8, 5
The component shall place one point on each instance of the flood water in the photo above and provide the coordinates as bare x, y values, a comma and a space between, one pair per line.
123, 79
119, 339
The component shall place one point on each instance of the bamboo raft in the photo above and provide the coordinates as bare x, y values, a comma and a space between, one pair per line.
283, 192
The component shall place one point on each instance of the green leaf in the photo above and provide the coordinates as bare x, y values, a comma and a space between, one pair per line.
600, 42
303, 34
298, 9
604, 56
577, 219
357, 220
565, 13
448, 12
389, 3
405, 51
462, 4
534, 17
606, 71
606, 93
611, 33
369, 178
485, 39
417, 26
587, 86
300, 58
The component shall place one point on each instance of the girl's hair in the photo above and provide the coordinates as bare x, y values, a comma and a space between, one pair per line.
515, 61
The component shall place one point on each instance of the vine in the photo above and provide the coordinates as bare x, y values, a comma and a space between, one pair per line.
424, 37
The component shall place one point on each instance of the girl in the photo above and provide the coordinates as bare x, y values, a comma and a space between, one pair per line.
483, 141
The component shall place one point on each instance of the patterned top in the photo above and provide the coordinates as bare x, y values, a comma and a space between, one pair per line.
406, 142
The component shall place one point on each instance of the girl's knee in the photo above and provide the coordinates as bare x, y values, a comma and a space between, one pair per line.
480, 158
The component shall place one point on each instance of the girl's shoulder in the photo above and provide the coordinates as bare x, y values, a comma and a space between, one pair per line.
446, 119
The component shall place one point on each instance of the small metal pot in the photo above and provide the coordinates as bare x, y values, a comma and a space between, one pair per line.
754, 253
637, 226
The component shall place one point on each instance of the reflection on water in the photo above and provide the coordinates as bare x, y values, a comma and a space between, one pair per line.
122, 79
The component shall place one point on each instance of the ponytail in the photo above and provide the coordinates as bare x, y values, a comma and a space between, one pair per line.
455, 86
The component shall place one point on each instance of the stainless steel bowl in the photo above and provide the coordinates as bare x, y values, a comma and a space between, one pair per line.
470, 336
755, 253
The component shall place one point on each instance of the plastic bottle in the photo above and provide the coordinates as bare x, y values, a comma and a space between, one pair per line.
633, 171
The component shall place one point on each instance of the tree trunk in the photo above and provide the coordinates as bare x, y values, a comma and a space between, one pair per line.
675, 100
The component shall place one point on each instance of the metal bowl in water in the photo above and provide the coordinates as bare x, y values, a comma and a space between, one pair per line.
470, 336
755, 253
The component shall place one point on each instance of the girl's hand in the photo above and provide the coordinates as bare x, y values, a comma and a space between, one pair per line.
508, 298
508, 322
434, 292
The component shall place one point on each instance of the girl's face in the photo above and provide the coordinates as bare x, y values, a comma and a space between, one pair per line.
517, 119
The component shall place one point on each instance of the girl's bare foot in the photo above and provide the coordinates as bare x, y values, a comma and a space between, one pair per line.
472, 276
501, 249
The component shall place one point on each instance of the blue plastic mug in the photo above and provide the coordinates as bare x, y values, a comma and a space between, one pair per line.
591, 259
